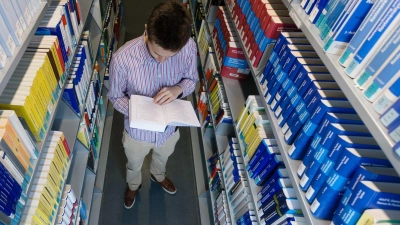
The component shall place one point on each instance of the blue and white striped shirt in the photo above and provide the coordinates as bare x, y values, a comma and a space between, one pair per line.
133, 71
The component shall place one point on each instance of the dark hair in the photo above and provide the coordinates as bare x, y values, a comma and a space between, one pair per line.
169, 25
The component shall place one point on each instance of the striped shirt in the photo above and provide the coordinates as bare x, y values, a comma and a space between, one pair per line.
133, 71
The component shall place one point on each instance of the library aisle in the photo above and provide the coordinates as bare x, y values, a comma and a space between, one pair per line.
153, 206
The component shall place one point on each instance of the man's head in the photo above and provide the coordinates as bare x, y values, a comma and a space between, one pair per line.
168, 29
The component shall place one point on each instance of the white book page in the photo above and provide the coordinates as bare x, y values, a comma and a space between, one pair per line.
144, 114
180, 113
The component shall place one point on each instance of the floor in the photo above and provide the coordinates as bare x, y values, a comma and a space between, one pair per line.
153, 206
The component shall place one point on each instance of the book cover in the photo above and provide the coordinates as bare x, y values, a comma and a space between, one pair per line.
387, 98
391, 114
342, 142
365, 28
275, 162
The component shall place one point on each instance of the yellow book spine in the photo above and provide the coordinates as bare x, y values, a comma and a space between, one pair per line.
253, 146
39, 109
63, 158
36, 111
242, 123
63, 151
44, 207
253, 137
249, 123
41, 216
44, 84
36, 221
56, 60
241, 112
249, 133
50, 75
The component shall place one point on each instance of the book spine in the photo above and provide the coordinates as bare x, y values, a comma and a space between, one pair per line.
378, 60
386, 77
365, 28
387, 98
373, 42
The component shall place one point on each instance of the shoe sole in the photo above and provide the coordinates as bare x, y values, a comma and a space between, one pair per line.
169, 192
129, 207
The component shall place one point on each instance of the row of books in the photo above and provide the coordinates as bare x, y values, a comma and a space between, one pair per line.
47, 186
227, 47
15, 18
68, 206
221, 209
18, 153
365, 34
331, 145
259, 24
35, 86
236, 184
79, 77
264, 164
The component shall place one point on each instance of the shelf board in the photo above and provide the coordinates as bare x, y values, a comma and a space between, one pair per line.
87, 195
291, 166
205, 205
361, 105
76, 175
12, 62
96, 206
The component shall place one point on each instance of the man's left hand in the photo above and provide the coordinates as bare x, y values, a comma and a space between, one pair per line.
167, 95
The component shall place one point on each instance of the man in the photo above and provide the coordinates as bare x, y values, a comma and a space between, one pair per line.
160, 64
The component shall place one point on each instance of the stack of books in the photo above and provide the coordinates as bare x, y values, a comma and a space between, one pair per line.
47, 186
203, 42
218, 193
36, 84
259, 24
236, 184
17, 155
15, 18
219, 108
227, 47
68, 206
79, 77
373, 191
264, 164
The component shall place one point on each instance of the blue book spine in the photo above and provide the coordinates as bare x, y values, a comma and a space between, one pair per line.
336, 183
274, 200
314, 120
345, 31
274, 187
317, 10
70, 97
260, 165
379, 59
331, 17
10, 179
382, 30
394, 131
341, 143
391, 115
325, 12
387, 76
282, 209
365, 28
278, 174
364, 173
275, 162
365, 197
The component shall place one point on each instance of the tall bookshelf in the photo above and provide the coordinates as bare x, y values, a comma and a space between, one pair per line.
238, 91
86, 183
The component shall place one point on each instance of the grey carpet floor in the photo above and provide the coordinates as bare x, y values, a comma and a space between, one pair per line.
153, 206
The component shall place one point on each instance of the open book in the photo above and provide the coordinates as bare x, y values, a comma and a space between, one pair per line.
146, 115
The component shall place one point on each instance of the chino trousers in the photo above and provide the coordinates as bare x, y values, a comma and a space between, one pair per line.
136, 151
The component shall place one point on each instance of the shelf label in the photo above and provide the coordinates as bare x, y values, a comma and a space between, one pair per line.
295, 18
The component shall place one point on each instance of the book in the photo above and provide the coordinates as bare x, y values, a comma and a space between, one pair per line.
373, 43
374, 216
387, 98
369, 23
391, 114
335, 184
144, 114
370, 194
341, 143
364, 173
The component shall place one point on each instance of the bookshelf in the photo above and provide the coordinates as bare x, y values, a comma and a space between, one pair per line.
85, 182
12, 62
354, 95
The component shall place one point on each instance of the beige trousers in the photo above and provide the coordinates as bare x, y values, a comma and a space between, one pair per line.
136, 151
